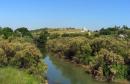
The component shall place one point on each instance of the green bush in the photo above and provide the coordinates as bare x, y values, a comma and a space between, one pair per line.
110, 43
71, 48
7, 32
21, 54
112, 65
43, 37
105, 53
23, 32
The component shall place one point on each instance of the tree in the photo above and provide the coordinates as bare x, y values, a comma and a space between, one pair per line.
24, 32
104, 32
0, 30
42, 39
125, 27
7, 32
109, 30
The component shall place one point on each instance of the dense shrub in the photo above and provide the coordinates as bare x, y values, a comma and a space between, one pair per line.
43, 37
21, 54
71, 48
109, 43
108, 65
106, 56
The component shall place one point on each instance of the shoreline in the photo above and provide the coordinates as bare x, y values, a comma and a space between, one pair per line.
85, 67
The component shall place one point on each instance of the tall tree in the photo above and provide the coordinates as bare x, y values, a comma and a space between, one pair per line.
7, 32
23, 31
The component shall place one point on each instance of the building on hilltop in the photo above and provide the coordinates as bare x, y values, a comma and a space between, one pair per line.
84, 29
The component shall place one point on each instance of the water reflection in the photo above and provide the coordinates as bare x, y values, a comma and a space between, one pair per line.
61, 72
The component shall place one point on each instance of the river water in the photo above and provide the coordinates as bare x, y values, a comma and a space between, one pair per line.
62, 72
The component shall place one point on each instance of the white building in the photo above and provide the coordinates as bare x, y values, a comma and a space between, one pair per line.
84, 30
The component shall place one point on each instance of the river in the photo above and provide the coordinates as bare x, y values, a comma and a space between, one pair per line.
62, 72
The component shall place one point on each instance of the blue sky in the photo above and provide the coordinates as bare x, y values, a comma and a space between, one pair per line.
93, 14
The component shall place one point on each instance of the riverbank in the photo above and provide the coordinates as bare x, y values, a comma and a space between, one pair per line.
103, 54
18, 51
67, 73
96, 55
85, 69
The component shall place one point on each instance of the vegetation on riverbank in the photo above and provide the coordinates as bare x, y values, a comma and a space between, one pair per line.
105, 52
10, 75
17, 50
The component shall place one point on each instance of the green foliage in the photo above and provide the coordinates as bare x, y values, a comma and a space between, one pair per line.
109, 30
42, 39
10, 75
71, 48
104, 52
115, 31
111, 63
0, 30
18, 50
21, 54
121, 71
106, 56
23, 32
7, 32
109, 43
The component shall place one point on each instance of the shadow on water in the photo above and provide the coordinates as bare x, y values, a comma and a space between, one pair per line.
61, 72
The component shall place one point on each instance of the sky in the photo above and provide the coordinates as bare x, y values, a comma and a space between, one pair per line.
93, 14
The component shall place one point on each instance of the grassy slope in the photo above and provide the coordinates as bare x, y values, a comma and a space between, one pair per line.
57, 31
10, 75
